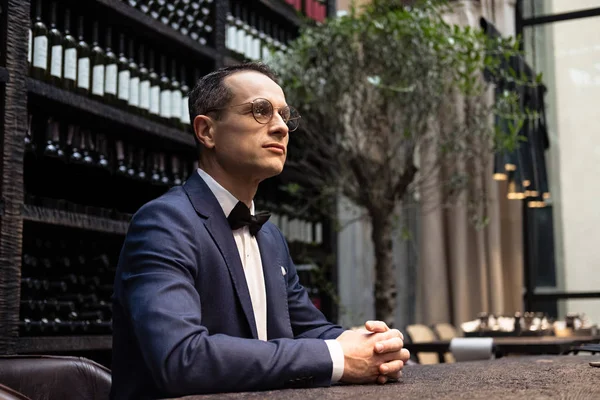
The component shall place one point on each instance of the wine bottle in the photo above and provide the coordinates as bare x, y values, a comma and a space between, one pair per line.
144, 6
30, 46
141, 162
154, 87
102, 175
102, 152
165, 90
155, 9
184, 26
53, 147
30, 167
155, 174
267, 45
40, 44
204, 13
262, 37
276, 42
181, 7
255, 45
196, 29
241, 33
73, 141
124, 78
184, 170
132, 170
185, 93
55, 43
134, 80
87, 149
83, 61
176, 96
247, 37
249, 26
175, 170
97, 61
111, 70
162, 170
166, 13
230, 32
70, 55
144, 84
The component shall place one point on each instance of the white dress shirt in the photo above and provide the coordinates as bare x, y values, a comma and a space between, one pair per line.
251, 262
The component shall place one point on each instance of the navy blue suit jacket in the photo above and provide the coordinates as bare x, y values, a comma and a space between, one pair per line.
182, 316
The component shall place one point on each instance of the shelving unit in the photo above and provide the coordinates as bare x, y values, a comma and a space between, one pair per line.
73, 220
165, 32
54, 344
20, 92
115, 115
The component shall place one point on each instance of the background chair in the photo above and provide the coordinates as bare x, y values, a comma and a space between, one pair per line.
446, 331
419, 333
55, 377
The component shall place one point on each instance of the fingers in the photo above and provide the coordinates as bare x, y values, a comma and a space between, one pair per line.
390, 345
380, 327
382, 379
404, 355
395, 377
391, 368
376, 326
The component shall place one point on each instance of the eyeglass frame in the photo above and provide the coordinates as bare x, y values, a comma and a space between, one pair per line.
254, 116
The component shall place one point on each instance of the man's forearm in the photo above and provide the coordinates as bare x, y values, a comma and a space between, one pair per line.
219, 363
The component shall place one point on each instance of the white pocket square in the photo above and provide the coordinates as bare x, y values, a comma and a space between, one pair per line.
283, 271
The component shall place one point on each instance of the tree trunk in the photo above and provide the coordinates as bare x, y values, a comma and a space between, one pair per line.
385, 279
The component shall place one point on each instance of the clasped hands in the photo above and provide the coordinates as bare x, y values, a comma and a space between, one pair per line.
374, 354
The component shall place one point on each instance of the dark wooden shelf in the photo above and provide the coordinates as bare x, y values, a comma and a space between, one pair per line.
283, 9
3, 75
73, 220
96, 108
51, 344
156, 27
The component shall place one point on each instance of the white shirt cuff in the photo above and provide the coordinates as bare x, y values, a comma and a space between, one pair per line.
337, 357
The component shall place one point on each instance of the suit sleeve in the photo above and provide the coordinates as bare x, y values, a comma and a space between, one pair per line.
155, 285
307, 321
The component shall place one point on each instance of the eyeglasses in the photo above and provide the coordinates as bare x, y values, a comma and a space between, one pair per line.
262, 110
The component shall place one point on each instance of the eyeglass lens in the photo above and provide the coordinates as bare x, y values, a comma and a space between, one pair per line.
262, 110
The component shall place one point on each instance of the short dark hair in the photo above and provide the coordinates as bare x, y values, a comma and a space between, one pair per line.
211, 92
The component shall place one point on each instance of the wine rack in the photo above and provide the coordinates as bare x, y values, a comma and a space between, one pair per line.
78, 160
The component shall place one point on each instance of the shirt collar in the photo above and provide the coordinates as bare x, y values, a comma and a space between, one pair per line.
226, 200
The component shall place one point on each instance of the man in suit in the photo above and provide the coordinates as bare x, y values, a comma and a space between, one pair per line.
206, 296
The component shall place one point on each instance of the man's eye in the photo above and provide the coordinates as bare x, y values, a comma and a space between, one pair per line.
285, 114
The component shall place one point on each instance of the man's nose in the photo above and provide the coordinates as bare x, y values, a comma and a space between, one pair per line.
279, 126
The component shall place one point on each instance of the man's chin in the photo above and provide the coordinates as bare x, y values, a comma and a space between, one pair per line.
273, 169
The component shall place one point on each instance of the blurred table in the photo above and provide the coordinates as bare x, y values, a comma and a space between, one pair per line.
538, 377
527, 345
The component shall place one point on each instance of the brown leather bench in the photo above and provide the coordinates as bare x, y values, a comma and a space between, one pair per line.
54, 377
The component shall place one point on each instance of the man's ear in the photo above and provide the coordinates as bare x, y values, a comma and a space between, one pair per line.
204, 130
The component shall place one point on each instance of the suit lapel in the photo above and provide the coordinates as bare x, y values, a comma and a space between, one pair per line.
206, 205
278, 323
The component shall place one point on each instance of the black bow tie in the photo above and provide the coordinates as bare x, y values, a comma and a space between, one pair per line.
240, 217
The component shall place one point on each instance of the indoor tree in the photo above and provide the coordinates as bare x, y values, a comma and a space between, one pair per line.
389, 95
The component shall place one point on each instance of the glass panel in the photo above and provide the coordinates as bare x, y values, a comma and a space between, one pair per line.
537, 8
568, 55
